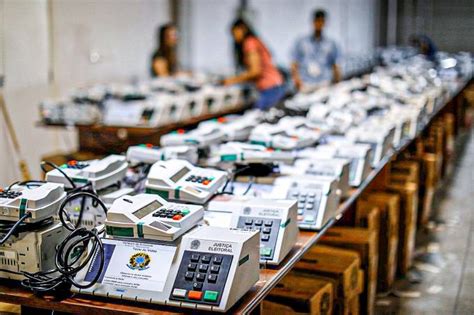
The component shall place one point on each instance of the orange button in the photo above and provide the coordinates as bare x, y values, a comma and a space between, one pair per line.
205, 182
177, 217
194, 295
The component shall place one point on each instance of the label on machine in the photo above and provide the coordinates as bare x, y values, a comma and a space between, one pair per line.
134, 265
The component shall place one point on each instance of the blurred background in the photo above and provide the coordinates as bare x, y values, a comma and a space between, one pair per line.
48, 46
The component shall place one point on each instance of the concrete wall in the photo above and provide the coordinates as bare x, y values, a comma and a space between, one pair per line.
121, 32
448, 23
207, 41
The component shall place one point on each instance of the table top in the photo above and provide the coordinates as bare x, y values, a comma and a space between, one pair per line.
269, 275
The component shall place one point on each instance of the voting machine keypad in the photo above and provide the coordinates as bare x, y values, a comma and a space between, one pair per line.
308, 204
268, 228
201, 277
75, 165
9, 194
200, 179
173, 214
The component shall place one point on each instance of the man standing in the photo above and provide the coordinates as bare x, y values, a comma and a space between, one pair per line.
315, 58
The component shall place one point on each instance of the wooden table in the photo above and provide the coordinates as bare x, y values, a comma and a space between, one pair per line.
269, 275
102, 139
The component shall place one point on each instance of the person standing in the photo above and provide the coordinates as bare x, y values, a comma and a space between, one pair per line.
255, 60
164, 60
315, 58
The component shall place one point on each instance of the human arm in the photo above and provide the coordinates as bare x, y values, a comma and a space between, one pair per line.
295, 74
252, 72
336, 73
160, 67
336, 70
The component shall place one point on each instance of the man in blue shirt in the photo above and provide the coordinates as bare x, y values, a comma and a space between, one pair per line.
315, 58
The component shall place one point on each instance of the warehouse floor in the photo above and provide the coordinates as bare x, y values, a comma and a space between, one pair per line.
442, 281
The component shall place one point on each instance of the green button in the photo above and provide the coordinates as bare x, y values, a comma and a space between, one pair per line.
211, 296
185, 211
265, 252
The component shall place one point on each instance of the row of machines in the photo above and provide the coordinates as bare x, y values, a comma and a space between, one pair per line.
190, 221
149, 104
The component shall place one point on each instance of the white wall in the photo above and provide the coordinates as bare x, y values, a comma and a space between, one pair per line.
121, 31
279, 22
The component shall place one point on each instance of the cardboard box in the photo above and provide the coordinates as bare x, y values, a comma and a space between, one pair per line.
304, 294
339, 264
363, 241
408, 218
388, 205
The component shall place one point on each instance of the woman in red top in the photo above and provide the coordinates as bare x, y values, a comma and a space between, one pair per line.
252, 55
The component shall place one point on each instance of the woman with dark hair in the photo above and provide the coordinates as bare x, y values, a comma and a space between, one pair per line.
164, 61
254, 58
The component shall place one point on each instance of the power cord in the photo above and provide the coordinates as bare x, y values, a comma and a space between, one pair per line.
15, 227
54, 166
69, 258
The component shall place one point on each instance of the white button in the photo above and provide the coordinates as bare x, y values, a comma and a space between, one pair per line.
179, 293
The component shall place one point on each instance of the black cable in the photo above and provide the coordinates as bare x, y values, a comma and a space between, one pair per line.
68, 253
5, 226
14, 227
11, 185
251, 182
64, 216
70, 258
32, 183
51, 164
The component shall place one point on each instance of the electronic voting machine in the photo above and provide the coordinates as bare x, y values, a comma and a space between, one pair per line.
32, 247
317, 198
181, 181
274, 219
208, 268
149, 154
99, 173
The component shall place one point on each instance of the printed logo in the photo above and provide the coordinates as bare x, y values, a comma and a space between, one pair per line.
139, 261
247, 210
195, 244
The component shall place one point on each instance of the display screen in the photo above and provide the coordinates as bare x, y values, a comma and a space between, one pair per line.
180, 174
146, 210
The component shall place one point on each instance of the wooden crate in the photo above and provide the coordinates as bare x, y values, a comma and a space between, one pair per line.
425, 207
408, 217
304, 294
388, 205
431, 169
368, 216
364, 242
406, 169
340, 264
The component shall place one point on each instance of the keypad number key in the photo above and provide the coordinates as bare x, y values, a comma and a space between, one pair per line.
200, 277
212, 278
